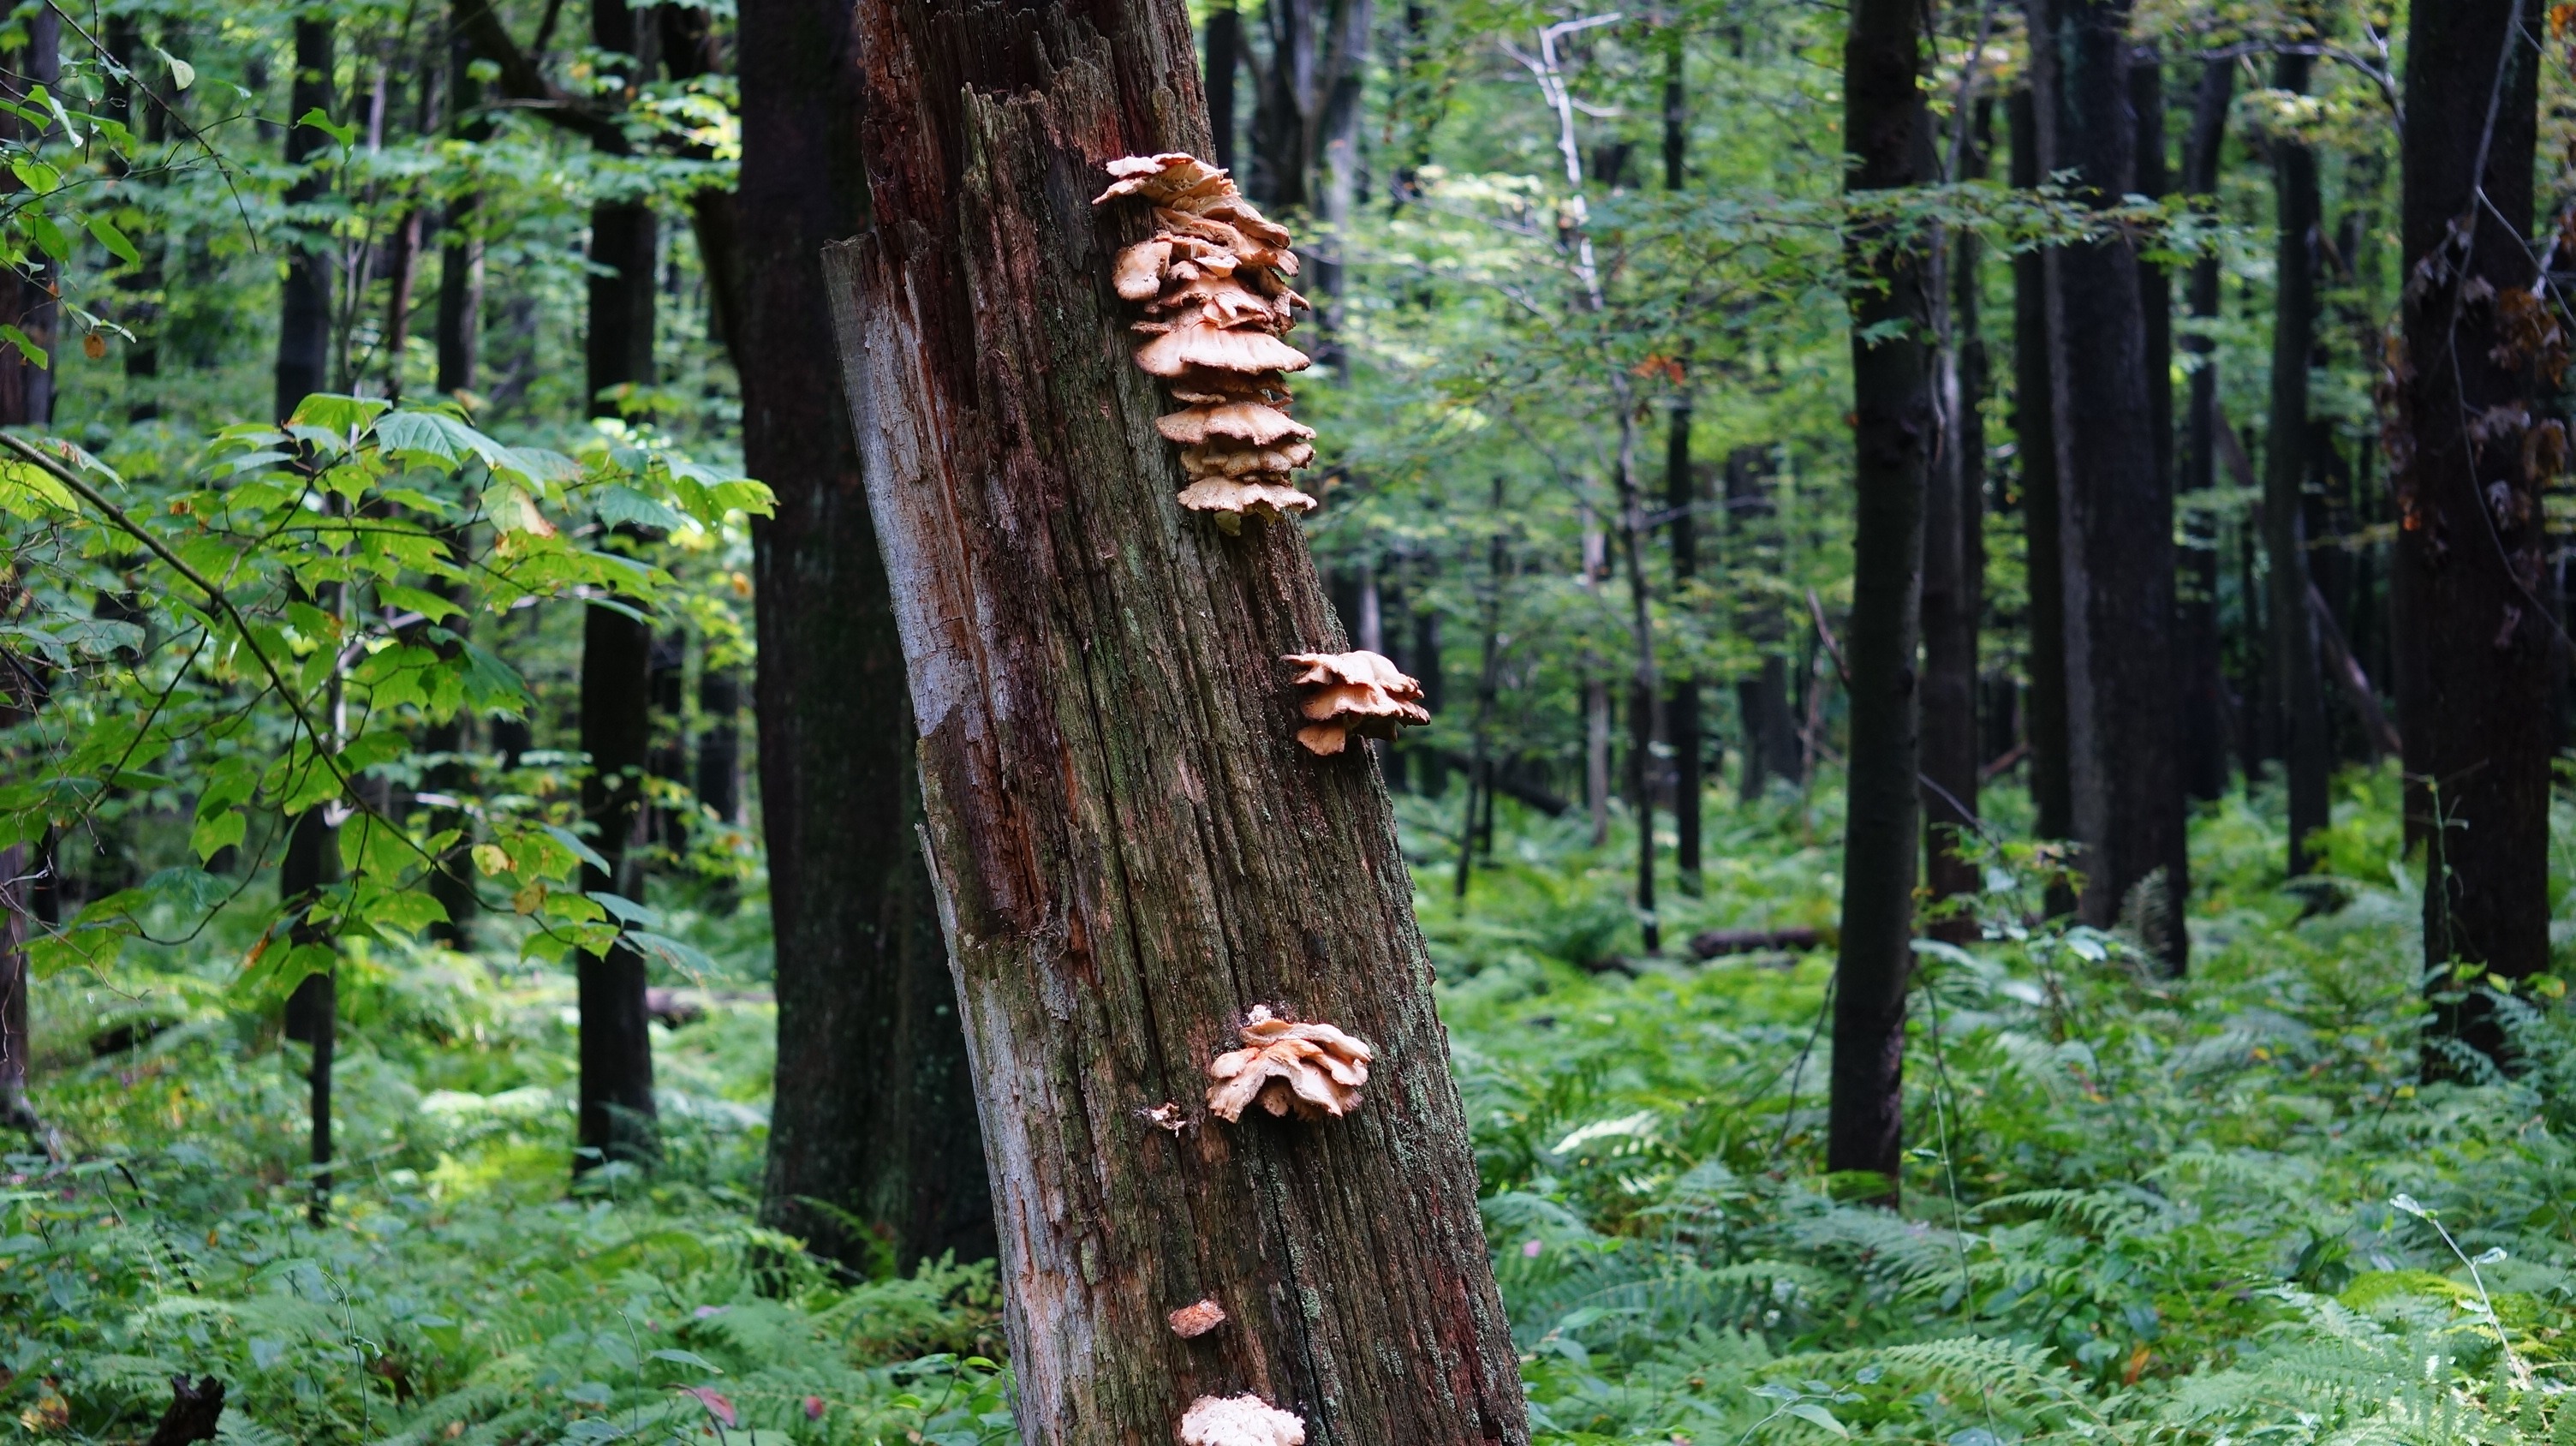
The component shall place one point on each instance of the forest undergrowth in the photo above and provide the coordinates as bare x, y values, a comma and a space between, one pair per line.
2221, 1210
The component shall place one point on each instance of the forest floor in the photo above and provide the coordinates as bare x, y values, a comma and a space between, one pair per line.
2220, 1209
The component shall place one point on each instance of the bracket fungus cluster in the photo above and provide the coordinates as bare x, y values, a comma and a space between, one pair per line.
1245, 1420
1213, 280
1355, 693
1313, 1069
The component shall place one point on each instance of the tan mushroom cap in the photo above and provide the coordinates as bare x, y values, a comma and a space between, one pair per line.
1253, 423
1356, 693
1196, 343
1139, 275
1312, 1069
1225, 459
1200, 386
1230, 497
1170, 176
1251, 251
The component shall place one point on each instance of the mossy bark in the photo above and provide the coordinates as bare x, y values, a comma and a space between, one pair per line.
1129, 848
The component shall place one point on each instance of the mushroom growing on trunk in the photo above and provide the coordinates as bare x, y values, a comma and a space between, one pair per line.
1213, 281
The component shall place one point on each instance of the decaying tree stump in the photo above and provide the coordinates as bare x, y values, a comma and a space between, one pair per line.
1131, 848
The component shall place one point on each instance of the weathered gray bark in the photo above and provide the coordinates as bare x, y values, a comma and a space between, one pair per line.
1129, 847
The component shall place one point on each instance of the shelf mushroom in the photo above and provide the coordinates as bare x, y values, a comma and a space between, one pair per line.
1213, 281
1313, 1069
1245, 1420
1358, 693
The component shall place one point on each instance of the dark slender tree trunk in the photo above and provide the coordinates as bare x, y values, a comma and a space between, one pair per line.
1298, 89
28, 300
1681, 500
2123, 765
17, 879
1224, 59
2306, 745
311, 864
2043, 512
875, 1113
1954, 604
616, 1115
1771, 744
1885, 136
2205, 709
140, 286
2477, 659
2155, 286
304, 298
1130, 849
718, 784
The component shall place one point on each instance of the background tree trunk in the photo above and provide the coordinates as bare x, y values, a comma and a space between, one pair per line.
1130, 849
2205, 709
2043, 516
1954, 558
1772, 748
616, 1119
304, 299
874, 1112
2306, 745
2123, 767
1681, 500
1885, 131
2477, 660
1224, 59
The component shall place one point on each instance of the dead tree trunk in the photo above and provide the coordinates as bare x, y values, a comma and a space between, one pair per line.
1130, 850
2306, 744
1884, 126
874, 1113
2123, 768
2477, 658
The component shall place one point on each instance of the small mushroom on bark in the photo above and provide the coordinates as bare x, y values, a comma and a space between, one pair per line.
1313, 1069
1193, 1321
1245, 1420
1355, 693
1213, 283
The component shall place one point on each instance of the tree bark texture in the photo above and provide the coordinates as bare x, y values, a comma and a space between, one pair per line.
875, 1111
2477, 659
1224, 59
2204, 682
1681, 706
28, 301
1130, 849
1771, 744
616, 1087
1884, 125
2307, 747
304, 298
2035, 431
17, 878
2116, 523
1954, 577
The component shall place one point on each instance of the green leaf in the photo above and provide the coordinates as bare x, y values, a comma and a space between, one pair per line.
182, 74
114, 240
419, 600
1810, 1411
345, 135
213, 835
49, 235
27, 348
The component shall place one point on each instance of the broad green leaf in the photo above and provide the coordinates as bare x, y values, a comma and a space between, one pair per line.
114, 240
